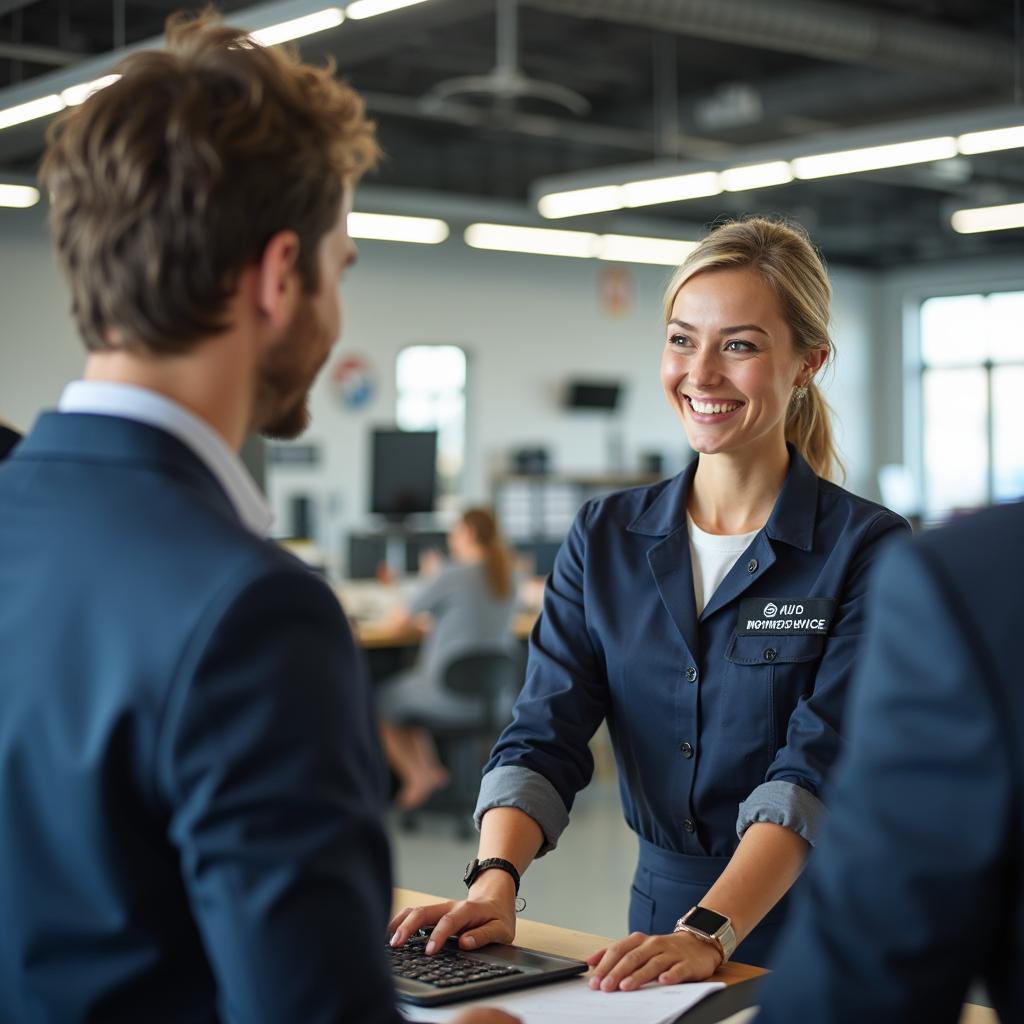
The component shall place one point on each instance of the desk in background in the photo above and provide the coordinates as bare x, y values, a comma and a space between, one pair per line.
551, 939
367, 603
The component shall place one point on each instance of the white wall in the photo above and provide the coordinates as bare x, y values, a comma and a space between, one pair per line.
527, 323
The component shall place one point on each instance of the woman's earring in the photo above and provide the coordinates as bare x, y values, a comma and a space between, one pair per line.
800, 392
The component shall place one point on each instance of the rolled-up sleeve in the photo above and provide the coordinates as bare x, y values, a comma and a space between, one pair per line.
791, 792
783, 803
542, 759
512, 786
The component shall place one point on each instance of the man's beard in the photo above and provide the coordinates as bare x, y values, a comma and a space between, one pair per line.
281, 410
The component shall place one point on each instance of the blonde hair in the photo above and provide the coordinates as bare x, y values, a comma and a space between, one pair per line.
497, 557
783, 255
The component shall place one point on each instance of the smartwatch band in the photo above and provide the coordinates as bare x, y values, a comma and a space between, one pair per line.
476, 867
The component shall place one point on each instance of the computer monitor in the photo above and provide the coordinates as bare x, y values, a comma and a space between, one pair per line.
592, 394
404, 472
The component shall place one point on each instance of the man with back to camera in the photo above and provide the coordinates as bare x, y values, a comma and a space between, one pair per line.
191, 785
917, 887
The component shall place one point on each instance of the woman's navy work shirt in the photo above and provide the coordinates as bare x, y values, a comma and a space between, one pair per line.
718, 721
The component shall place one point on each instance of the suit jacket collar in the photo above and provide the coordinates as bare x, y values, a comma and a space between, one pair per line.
792, 520
114, 439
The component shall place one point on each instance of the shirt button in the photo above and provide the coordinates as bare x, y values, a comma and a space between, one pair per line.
686, 749
752, 565
770, 654
691, 674
688, 826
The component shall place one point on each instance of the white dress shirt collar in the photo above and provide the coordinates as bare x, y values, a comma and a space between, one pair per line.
108, 398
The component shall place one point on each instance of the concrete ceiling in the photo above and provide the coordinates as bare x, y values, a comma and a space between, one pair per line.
665, 84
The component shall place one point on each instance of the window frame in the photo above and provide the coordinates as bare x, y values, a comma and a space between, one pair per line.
453, 496
915, 369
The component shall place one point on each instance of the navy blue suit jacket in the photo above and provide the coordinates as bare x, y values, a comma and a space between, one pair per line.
189, 777
918, 884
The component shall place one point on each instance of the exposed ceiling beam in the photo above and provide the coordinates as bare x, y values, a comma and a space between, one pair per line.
9, 6
952, 124
38, 54
849, 34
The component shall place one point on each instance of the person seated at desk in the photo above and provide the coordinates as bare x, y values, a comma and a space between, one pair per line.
468, 605
917, 887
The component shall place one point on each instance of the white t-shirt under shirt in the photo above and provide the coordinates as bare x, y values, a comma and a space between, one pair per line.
713, 555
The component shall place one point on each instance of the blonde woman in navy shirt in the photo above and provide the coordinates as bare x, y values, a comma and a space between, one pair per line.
713, 620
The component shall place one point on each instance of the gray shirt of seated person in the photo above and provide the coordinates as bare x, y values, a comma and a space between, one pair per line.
467, 617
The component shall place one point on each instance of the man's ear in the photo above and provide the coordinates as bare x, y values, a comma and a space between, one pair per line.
278, 285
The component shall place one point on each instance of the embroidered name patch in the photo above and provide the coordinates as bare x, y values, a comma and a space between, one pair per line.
792, 616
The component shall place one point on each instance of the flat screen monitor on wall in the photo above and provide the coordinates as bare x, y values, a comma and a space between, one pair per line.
592, 394
404, 472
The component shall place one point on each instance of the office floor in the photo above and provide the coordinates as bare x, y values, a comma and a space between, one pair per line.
583, 884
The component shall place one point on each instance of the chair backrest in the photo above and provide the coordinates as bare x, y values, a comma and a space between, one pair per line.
488, 675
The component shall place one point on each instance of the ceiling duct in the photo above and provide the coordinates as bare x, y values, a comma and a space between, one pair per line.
506, 87
814, 28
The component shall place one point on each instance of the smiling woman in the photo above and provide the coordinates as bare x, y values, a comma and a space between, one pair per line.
671, 612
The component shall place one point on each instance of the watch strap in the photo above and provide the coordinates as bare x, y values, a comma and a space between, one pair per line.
477, 867
724, 939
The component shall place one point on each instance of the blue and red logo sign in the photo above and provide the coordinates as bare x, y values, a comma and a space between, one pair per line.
353, 381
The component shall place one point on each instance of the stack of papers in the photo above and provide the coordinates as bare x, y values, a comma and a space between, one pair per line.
575, 1002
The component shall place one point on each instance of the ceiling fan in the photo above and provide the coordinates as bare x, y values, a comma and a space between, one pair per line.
506, 86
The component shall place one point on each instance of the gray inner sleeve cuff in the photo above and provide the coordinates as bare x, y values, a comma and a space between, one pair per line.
529, 792
786, 804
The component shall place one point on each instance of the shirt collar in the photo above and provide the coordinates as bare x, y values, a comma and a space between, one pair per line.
110, 398
792, 519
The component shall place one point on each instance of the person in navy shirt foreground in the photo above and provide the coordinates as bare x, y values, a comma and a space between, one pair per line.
917, 888
713, 620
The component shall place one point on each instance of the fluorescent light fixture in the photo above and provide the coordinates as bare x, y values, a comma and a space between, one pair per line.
369, 8
988, 218
76, 94
667, 252
537, 241
673, 189
581, 200
387, 228
21, 197
298, 27
874, 158
739, 179
42, 107
991, 141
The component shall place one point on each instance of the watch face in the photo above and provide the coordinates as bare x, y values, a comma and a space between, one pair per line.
706, 921
470, 868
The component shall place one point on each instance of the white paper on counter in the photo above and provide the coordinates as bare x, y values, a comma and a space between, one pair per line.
575, 1002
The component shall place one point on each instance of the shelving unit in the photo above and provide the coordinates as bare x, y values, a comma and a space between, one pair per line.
541, 508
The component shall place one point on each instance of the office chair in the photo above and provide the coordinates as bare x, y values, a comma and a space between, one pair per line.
493, 678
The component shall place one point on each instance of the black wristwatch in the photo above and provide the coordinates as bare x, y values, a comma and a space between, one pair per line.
476, 867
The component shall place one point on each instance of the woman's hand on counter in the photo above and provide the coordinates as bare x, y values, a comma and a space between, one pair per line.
489, 916
637, 959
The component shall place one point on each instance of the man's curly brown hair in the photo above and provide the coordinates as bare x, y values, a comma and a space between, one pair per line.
166, 184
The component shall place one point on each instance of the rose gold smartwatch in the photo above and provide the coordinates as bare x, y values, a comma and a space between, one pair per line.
711, 927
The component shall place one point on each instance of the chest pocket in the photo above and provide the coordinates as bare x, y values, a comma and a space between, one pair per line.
770, 673
774, 650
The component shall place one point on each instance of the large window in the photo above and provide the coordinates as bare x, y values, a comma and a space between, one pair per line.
972, 402
431, 384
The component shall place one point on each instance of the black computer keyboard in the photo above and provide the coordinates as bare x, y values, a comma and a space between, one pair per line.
444, 969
